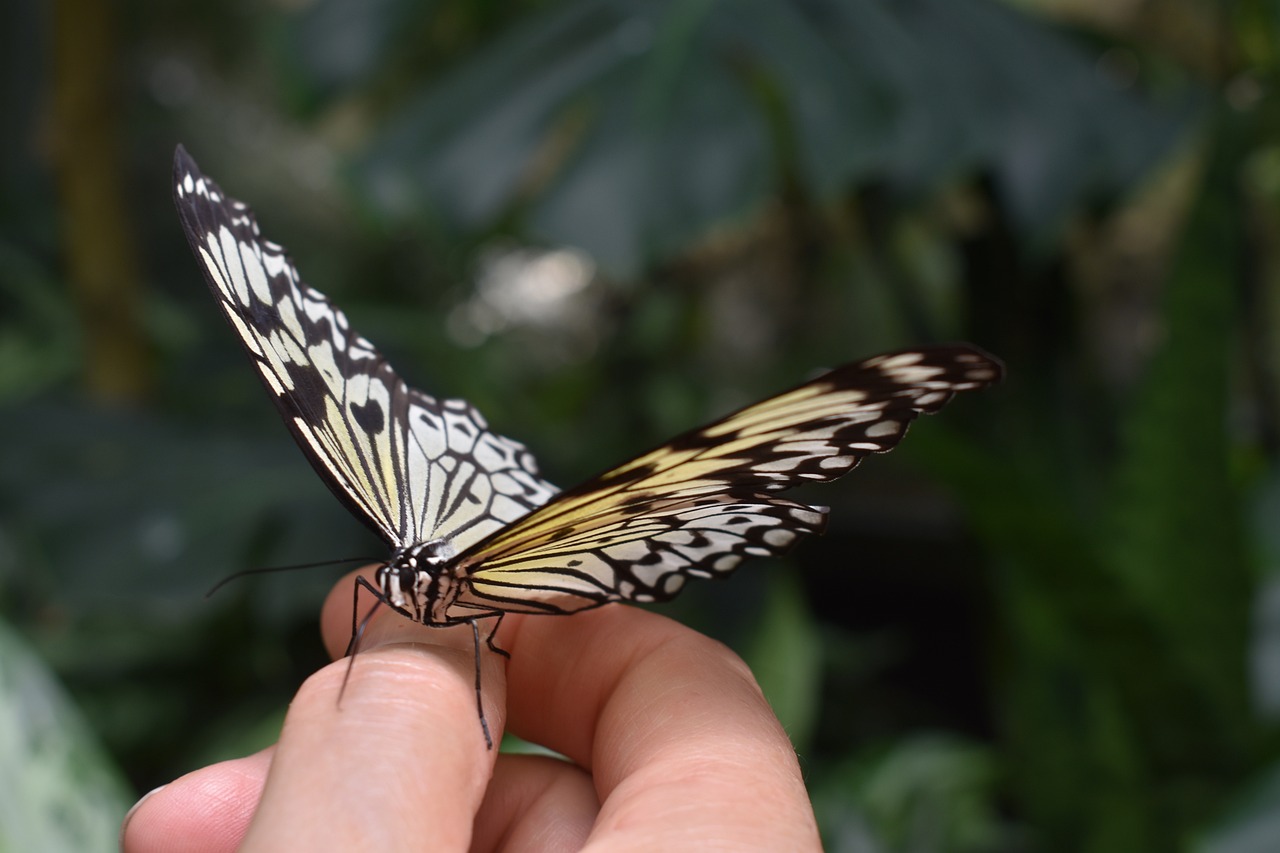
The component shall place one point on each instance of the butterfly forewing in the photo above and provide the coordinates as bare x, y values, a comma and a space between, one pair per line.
701, 503
410, 466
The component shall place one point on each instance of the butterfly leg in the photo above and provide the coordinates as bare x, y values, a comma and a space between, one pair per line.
484, 723
357, 628
492, 633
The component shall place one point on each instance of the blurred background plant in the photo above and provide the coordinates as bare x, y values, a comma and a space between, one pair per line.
1050, 621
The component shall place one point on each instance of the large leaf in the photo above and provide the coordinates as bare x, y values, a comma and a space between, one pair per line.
629, 128
112, 527
1177, 539
786, 657
1252, 825
61, 792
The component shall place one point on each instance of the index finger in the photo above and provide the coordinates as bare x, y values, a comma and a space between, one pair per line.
342, 773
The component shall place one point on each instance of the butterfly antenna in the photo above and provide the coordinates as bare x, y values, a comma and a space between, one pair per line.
269, 569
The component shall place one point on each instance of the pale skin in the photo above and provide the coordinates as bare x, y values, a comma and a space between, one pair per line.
673, 747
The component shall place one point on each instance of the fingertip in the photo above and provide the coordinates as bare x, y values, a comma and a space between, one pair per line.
406, 730
205, 811
128, 816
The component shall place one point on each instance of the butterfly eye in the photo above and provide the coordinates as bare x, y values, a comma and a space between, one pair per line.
406, 579
397, 579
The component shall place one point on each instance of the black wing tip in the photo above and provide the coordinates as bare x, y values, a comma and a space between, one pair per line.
977, 356
189, 183
186, 175
184, 165
200, 201
967, 366
953, 351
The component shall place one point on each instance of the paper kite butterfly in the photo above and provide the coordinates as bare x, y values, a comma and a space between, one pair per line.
474, 531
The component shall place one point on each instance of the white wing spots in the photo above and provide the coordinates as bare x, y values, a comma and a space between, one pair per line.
506, 485
410, 466
324, 362
218, 274
883, 429
227, 247
289, 318
251, 343
460, 433
276, 265
641, 557
255, 272
649, 576
507, 509
487, 481
489, 454
274, 380
779, 538
895, 361
679, 537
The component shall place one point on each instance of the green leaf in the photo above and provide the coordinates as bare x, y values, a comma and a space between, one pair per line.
1253, 823
630, 129
928, 792
61, 792
1176, 539
786, 657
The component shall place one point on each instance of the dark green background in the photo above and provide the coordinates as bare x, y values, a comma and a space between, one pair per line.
1048, 622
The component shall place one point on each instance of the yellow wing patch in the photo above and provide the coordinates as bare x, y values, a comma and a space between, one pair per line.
582, 548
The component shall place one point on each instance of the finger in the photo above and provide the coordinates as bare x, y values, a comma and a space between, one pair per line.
536, 803
400, 761
205, 811
343, 611
682, 745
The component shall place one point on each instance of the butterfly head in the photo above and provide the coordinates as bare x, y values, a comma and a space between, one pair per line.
415, 583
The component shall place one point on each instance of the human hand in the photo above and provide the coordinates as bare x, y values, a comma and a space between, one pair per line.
673, 747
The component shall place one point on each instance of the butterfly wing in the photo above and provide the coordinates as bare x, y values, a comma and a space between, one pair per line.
410, 466
700, 504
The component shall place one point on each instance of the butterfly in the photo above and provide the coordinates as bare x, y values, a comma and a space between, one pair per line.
473, 529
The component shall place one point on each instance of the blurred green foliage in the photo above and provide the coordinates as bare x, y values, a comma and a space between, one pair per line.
44, 737
1047, 622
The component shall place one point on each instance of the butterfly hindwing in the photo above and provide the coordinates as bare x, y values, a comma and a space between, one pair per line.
644, 555
410, 466
699, 504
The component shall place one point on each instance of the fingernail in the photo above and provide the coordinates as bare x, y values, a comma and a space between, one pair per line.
128, 816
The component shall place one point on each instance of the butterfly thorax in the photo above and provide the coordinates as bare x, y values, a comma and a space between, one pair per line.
416, 582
